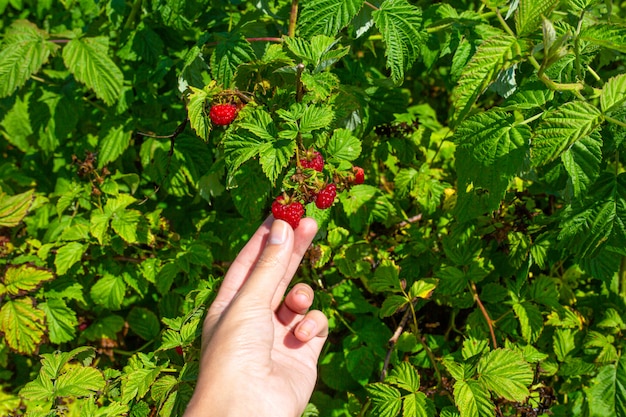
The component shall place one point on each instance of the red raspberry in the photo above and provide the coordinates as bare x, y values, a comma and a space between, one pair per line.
314, 160
359, 175
179, 350
291, 212
326, 197
223, 114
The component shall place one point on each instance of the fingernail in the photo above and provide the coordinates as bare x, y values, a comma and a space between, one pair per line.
278, 233
306, 328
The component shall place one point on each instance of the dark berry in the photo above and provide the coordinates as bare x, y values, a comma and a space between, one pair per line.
359, 175
326, 196
291, 212
223, 114
313, 160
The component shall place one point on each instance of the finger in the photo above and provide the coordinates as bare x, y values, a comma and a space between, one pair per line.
240, 269
304, 235
270, 267
313, 328
296, 304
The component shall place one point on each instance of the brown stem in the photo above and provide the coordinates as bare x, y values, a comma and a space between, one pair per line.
368, 4
486, 315
293, 18
392, 342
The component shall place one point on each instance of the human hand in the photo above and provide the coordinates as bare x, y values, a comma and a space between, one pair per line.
260, 351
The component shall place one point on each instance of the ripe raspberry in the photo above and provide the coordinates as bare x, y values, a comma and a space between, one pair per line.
326, 197
291, 212
223, 114
314, 160
359, 175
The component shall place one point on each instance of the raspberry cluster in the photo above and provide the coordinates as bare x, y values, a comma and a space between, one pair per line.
312, 182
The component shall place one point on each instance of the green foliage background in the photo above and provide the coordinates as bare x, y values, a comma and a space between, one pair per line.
479, 271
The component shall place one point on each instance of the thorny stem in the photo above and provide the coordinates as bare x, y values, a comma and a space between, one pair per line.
504, 24
392, 342
293, 18
612, 120
486, 315
133, 14
573, 87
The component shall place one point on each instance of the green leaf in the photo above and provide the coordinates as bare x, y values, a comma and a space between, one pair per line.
386, 278
418, 404
22, 324
561, 128
319, 52
139, 375
79, 382
113, 145
125, 222
492, 56
343, 146
472, 399
61, 320
613, 94
250, 191
89, 61
67, 255
599, 221
582, 162
314, 118
606, 393
530, 320
359, 204
25, 50
232, 50
14, 208
144, 322
405, 376
607, 35
327, 17
360, 363
423, 288
392, 304
18, 280
506, 373
39, 389
400, 24
109, 292
530, 14
275, 156
386, 399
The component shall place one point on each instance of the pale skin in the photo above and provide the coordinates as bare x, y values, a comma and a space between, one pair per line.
259, 347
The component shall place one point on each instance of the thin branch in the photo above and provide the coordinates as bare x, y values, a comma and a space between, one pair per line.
486, 315
293, 18
392, 342
368, 4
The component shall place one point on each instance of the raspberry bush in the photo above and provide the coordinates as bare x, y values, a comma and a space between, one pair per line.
463, 159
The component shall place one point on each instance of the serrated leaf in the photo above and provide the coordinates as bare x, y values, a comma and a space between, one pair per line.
39, 389
67, 255
506, 373
125, 222
360, 363
606, 393
405, 376
18, 280
344, 146
143, 322
109, 292
492, 56
327, 17
560, 128
599, 221
22, 324
319, 52
61, 320
418, 404
89, 61
613, 93
386, 278
582, 162
251, 192
392, 304
25, 49
607, 35
472, 399
232, 50
275, 156
400, 24
387, 400
314, 118
531, 320
113, 145
530, 13
79, 382
14, 208
138, 377
423, 288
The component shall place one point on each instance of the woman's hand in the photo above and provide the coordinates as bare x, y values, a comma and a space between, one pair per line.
259, 348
